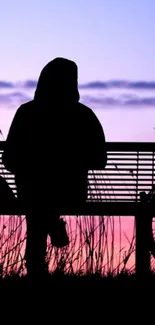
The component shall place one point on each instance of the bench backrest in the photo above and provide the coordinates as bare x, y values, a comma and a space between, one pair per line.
130, 170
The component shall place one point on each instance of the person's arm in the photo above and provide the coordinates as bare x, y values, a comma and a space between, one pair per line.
11, 147
97, 145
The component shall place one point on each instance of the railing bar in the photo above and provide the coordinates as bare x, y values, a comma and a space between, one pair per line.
118, 179
129, 164
129, 159
119, 174
133, 169
128, 154
118, 184
106, 190
120, 189
115, 195
114, 200
5, 172
119, 146
7, 175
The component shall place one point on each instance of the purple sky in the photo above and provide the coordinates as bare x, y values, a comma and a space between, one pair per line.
112, 41
107, 38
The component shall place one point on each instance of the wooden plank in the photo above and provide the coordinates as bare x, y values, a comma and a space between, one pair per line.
92, 208
119, 146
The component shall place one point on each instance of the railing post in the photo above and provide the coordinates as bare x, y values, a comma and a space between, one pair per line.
142, 242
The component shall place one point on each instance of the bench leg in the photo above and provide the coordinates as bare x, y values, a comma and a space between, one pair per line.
142, 244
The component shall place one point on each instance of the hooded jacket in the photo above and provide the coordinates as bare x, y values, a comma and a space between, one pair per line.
54, 140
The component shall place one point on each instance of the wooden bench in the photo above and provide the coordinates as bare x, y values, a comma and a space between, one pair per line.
114, 191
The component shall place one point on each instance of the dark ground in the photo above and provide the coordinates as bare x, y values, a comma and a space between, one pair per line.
55, 281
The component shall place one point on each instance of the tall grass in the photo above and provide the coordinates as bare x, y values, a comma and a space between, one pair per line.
98, 244
92, 247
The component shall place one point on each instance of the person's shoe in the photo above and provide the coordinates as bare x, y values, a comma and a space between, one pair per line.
58, 234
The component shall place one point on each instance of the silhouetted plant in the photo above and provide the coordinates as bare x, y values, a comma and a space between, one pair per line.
91, 248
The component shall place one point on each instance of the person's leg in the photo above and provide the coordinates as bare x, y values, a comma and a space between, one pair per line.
57, 230
35, 246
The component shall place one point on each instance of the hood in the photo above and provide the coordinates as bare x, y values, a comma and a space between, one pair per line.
58, 82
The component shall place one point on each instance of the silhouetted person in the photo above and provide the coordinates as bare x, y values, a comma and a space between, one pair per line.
52, 143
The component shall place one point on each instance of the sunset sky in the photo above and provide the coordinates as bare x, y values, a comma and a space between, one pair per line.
110, 40
113, 44
107, 38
